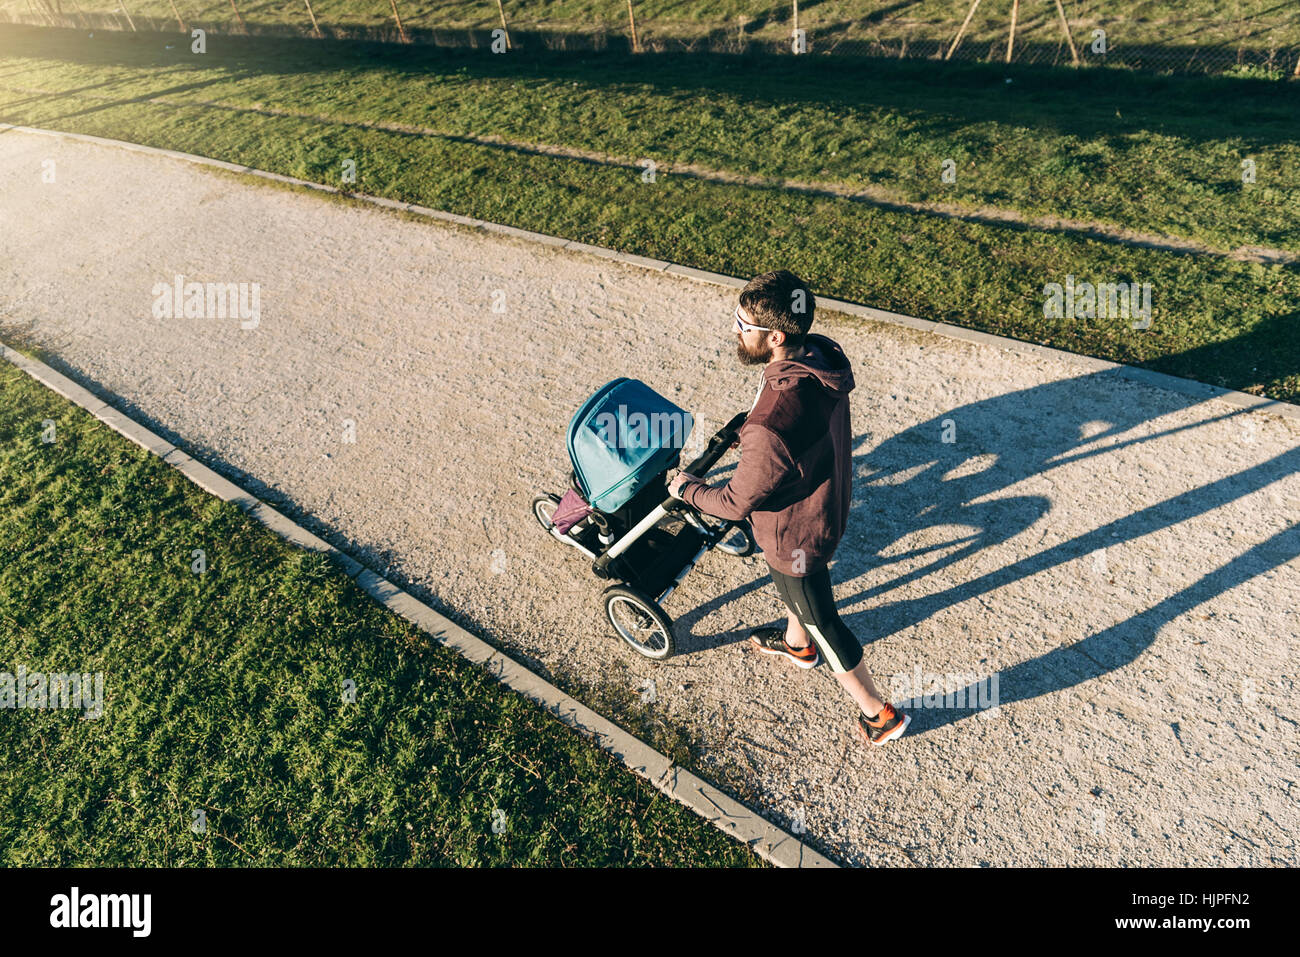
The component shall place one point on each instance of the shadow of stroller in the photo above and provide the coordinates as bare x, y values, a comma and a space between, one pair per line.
914, 481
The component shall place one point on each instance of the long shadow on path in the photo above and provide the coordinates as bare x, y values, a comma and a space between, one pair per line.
915, 481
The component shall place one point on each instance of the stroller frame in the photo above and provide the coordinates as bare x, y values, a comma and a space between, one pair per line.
646, 560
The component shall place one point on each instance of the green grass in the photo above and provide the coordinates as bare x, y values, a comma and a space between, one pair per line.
1158, 155
223, 693
1170, 161
1252, 24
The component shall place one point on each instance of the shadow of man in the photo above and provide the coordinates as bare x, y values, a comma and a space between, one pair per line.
947, 470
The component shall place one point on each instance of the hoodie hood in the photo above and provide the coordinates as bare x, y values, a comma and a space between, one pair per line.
828, 364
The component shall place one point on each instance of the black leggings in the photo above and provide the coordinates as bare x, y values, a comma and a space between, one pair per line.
813, 605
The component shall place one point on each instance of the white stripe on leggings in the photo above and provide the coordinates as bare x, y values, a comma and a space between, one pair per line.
836, 664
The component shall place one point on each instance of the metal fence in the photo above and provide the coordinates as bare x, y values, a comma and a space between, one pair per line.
1259, 39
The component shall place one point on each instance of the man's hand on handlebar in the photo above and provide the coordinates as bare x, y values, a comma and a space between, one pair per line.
680, 479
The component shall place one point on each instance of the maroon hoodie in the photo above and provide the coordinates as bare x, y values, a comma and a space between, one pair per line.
795, 477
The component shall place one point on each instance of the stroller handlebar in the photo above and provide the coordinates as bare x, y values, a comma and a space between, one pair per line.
722, 440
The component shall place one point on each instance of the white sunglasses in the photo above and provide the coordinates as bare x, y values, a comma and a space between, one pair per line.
743, 326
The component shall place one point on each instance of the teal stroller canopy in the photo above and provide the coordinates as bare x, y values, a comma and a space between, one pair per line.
623, 438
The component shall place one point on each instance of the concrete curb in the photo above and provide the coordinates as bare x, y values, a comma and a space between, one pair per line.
724, 812
1190, 387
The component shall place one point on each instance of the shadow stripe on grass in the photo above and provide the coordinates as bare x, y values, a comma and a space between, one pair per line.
872, 195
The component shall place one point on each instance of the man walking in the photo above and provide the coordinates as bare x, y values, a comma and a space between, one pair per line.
794, 484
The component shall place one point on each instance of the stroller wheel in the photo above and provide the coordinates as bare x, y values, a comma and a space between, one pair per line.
639, 621
739, 541
544, 508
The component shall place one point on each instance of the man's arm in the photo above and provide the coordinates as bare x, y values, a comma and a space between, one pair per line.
764, 464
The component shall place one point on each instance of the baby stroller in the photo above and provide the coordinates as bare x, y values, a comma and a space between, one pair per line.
617, 511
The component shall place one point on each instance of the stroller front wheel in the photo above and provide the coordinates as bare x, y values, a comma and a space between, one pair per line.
639, 621
544, 509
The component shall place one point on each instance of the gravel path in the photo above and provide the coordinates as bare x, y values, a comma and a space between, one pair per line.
1124, 560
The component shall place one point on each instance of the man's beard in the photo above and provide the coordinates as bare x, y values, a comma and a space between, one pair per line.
752, 358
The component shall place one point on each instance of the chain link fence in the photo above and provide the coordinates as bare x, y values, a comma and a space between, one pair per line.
1242, 37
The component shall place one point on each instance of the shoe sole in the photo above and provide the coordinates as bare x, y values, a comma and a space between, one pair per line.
805, 665
894, 733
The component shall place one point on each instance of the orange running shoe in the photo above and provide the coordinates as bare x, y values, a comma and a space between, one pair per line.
771, 641
886, 726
